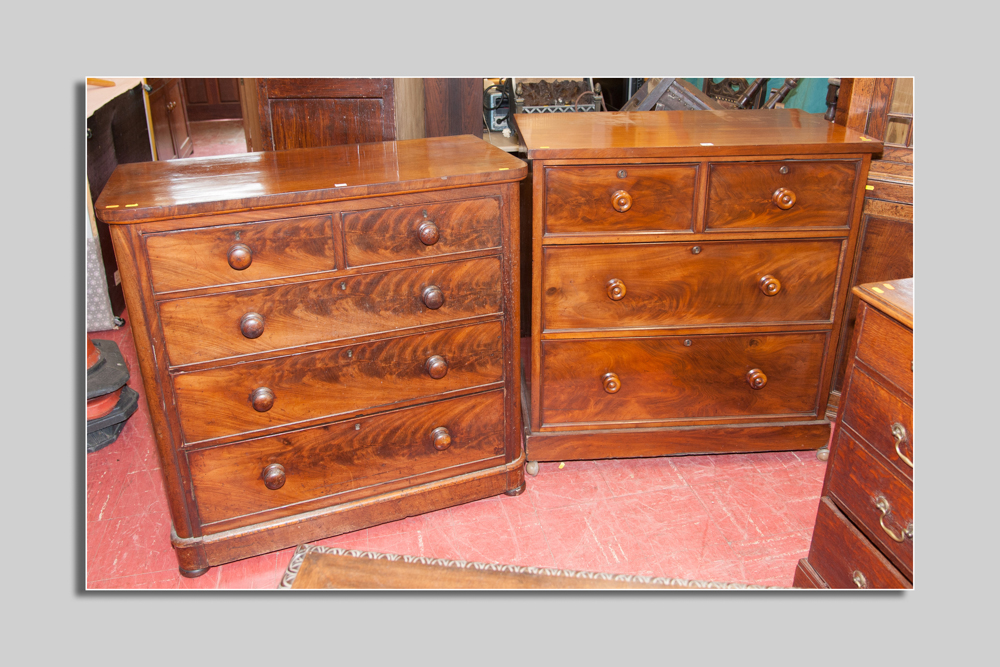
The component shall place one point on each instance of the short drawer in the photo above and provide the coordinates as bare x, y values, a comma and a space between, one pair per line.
878, 499
842, 556
274, 318
882, 419
887, 347
240, 253
619, 199
248, 397
688, 284
632, 381
367, 453
429, 230
786, 194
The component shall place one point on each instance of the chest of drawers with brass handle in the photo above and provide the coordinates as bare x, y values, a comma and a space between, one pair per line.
327, 336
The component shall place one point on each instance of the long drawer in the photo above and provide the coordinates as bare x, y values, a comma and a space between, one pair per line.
883, 420
248, 397
629, 381
274, 318
689, 284
267, 473
887, 347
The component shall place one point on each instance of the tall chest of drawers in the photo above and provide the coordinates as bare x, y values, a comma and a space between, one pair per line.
863, 536
326, 336
687, 279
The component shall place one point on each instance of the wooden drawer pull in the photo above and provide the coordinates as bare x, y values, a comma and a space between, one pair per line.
611, 383
428, 232
437, 366
769, 285
616, 289
433, 297
262, 399
756, 378
252, 325
621, 200
883, 505
783, 198
273, 476
240, 256
441, 437
900, 436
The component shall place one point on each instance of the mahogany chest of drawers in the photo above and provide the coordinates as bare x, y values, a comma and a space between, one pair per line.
326, 336
687, 279
864, 528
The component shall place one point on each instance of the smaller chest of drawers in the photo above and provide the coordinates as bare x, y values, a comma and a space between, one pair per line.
864, 527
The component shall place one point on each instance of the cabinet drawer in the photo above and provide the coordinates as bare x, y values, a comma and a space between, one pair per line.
391, 234
587, 199
757, 195
844, 558
359, 453
629, 381
887, 347
226, 401
217, 326
882, 419
240, 253
687, 284
878, 499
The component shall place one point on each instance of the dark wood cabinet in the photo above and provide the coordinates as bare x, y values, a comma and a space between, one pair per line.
168, 108
212, 99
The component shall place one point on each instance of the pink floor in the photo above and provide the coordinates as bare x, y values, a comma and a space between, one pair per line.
217, 137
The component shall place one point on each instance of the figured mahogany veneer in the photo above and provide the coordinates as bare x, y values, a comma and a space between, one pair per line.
327, 336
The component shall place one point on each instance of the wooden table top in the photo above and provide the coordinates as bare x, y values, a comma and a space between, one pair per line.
196, 186
686, 133
894, 298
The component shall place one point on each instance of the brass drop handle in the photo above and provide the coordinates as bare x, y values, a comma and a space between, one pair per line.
769, 285
273, 476
900, 436
252, 325
859, 579
616, 289
611, 383
240, 256
428, 233
621, 200
262, 399
783, 198
883, 505
433, 297
436, 366
756, 378
441, 438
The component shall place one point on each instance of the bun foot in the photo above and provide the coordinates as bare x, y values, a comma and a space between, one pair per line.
531, 467
191, 574
516, 492
823, 453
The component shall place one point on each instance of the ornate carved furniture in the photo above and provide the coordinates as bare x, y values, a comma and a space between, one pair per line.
686, 292
864, 528
326, 335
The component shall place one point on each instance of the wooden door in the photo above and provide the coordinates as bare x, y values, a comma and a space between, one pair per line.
212, 99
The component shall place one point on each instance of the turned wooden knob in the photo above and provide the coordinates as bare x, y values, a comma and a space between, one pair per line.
252, 325
616, 289
756, 378
428, 233
240, 256
783, 198
621, 200
441, 437
433, 297
611, 383
273, 476
437, 366
262, 399
769, 285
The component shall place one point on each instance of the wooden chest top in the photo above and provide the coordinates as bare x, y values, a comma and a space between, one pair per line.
894, 298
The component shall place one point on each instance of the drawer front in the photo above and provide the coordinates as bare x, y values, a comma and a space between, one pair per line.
216, 327
226, 401
844, 558
240, 253
879, 499
756, 195
686, 284
229, 481
584, 199
664, 378
391, 234
878, 416
887, 347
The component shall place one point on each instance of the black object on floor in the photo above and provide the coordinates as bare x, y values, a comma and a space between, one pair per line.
102, 431
109, 373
